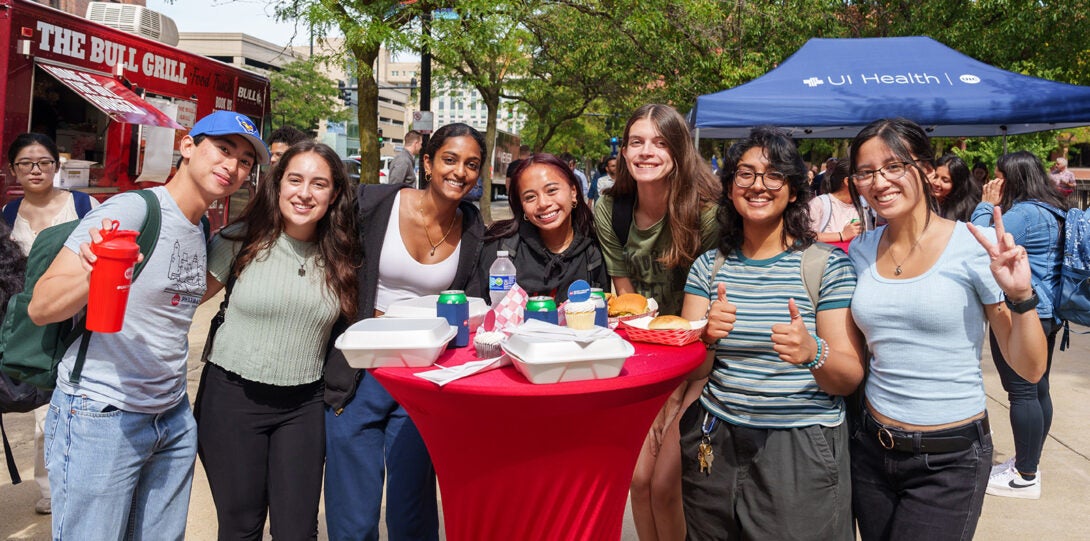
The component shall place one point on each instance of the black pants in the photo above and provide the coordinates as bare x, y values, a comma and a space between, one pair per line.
263, 448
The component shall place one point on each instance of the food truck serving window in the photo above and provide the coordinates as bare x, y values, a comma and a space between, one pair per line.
111, 97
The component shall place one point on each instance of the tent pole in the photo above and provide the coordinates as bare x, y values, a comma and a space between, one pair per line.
696, 139
1004, 128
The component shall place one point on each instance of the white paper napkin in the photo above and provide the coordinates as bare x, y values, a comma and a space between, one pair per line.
447, 374
547, 331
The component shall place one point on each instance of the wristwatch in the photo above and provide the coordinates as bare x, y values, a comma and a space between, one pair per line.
1022, 307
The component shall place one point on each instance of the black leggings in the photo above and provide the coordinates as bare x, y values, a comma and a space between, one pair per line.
263, 448
1031, 404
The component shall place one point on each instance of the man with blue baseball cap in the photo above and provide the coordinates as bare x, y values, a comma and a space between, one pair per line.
120, 437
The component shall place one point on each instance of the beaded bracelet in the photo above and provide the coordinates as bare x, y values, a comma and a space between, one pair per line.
820, 357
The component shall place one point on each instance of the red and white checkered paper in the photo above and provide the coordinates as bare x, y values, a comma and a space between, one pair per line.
509, 311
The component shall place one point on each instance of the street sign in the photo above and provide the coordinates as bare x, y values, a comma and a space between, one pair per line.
424, 122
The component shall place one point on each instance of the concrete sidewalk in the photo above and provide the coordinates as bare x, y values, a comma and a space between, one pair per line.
1060, 514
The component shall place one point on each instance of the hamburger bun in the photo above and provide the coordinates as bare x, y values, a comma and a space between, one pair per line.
627, 305
669, 323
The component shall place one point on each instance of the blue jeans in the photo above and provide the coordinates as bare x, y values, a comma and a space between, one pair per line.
1031, 403
918, 496
118, 474
371, 439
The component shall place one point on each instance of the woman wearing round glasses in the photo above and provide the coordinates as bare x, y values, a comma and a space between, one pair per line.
922, 452
33, 159
765, 449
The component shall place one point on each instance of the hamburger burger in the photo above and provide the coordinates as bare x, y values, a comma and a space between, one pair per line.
629, 304
669, 323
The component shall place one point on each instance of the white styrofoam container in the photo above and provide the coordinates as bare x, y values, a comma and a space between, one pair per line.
425, 307
551, 361
407, 342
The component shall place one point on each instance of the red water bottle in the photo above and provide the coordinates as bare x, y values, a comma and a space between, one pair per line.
111, 278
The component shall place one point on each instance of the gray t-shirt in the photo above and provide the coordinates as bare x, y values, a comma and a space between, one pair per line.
142, 368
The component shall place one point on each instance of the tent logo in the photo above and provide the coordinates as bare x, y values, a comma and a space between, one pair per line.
812, 82
969, 79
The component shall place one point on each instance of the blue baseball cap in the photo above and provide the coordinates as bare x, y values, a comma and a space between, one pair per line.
228, 123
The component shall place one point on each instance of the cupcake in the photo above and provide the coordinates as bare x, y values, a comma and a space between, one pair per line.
579, 314
487, 344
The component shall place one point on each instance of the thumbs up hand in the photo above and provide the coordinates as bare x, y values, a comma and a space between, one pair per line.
721, 317
792, 341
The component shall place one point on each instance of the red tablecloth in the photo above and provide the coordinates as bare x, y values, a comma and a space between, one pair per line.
522, 461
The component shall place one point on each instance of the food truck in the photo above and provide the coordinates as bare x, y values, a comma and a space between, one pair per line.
116, 103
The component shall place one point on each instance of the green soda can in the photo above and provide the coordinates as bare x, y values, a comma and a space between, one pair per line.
454, 307
542, 308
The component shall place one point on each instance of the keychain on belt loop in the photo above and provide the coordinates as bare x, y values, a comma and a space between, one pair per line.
704, 454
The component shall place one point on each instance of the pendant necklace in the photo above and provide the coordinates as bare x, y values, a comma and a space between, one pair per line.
427, 235
897, 271
302, 262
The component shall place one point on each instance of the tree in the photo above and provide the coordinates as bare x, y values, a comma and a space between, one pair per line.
366, 26
302, 96
483, 47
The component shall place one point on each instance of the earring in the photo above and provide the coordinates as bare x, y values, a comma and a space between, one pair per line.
525, 218
427, 178
574, 203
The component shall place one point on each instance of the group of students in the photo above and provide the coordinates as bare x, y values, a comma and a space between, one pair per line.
756, 444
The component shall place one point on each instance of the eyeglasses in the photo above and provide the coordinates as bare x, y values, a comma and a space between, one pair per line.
892, 171
772, 180
28, 166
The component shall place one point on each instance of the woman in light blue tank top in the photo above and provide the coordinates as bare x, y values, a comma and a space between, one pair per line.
922, 451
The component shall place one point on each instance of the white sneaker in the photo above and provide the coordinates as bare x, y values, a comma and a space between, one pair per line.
1010, 484
1002, 467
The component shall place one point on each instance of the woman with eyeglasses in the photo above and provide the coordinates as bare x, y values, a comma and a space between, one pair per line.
33, 160
922, 452
765, 449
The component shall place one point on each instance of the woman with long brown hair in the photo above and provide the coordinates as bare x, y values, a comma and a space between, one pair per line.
655, 220
289, 263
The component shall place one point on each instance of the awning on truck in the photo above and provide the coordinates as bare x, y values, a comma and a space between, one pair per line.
111, 97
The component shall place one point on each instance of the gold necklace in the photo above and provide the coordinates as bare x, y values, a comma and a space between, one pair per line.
897, 271
424, 222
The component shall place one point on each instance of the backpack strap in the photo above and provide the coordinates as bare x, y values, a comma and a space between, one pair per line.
622, 216
148, 238
206, 228
827, 211
719, 260
82, 202
13, 470
11, 211
815, 258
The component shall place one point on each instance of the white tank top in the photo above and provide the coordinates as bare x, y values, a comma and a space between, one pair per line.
402, 277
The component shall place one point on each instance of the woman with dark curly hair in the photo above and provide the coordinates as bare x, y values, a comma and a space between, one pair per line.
956, 194
768, 434
12, 267
289, 262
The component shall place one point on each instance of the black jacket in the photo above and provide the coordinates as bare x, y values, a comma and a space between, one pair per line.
541, 272
374, 204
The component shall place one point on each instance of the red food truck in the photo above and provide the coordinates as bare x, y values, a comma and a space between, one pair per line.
116, 103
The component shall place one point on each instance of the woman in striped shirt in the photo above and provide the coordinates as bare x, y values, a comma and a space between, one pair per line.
765, 449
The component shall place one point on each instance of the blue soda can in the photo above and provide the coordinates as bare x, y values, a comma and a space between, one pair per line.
454, 307
601, 313
542, 308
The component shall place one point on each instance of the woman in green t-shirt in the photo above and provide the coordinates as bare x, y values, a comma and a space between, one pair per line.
664, 200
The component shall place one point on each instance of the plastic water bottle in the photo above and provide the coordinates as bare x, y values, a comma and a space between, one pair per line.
501, 277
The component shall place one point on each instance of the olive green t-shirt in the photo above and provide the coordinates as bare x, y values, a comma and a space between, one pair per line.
638, 261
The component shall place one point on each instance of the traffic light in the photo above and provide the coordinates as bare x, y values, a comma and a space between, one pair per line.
613, 141
345, 93
381, 139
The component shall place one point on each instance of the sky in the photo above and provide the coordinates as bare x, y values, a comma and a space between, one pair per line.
252, 17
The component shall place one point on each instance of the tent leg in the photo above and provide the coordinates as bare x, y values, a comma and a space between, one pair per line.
696, 139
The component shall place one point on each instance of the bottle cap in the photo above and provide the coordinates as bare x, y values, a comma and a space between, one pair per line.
501, 253
579, 291
117, 243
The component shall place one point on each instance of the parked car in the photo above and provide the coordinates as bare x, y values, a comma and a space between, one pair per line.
353, 167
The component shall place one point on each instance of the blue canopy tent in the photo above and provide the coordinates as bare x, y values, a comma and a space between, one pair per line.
831, 88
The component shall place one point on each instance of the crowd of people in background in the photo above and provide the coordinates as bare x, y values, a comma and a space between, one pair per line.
846, 310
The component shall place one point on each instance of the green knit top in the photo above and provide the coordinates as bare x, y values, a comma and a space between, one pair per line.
277, 322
